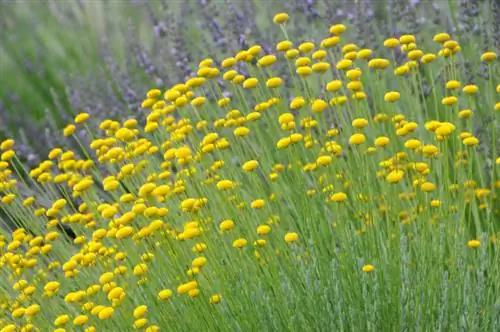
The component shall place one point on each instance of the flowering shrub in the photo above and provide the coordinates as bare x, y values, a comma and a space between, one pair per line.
319, 186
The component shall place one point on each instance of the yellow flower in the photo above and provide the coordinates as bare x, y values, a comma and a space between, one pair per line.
344, 64
391, 42
471, 141
19, 312
106, 313
81, 118
250, 165
140, 323
395, 176
274, 82
280, 18
382, 141
338, 197
241, 131
292, 53
306, 47
415, 55
448, 101
255, 50
441, 37
258, 204
359, 123
353, 74
428, 58
9, 328
140, 269
319, 55
319, 105
452, 84
125, 134
151, 127
140, 311
349, 48
194, 292
321, 67
488, 56
291, 237
148, 103
378, 63
304, 71
445, 129
335, 85
32, 310
165, 294
337, 29
263, 229
61, 320
354, 86
330, 42
226, 225
368, 268
153, 93
428, 186
55, 153
228, 62
215, 299
69, 130
392, 96
116, 293
284, 46
240, 243
250, 83
324, 160
470, 89
199, 261
357, 139
198, 101
124, 232
80, 320
225, 184
364, 53
230, 75
473, 244
465, 114
407, 39
266, 60
243, 56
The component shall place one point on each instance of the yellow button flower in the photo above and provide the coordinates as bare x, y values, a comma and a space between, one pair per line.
291, 237
280, 18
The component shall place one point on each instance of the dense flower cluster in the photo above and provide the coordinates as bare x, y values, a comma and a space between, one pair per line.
317, 186
107, 79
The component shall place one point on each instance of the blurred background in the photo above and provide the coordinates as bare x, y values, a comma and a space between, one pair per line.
59, 58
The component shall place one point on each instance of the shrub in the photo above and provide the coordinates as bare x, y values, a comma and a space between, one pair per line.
318, 187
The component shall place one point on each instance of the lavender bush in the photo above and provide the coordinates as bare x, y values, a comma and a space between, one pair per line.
105, 72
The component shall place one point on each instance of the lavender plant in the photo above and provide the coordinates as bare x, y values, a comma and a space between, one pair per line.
306, 182
159, 46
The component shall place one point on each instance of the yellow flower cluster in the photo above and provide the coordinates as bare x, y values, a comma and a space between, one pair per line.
222, 182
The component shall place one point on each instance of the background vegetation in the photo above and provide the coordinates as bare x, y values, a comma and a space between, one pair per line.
58, 58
